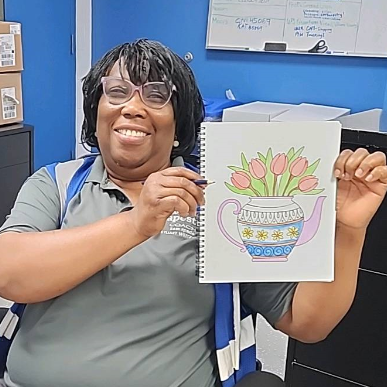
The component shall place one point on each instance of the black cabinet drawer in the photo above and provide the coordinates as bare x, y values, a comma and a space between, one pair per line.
14, 149
305, 377
357, 348
11, 178
374, 256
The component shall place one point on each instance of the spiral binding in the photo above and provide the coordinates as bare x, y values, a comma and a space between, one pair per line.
200, 272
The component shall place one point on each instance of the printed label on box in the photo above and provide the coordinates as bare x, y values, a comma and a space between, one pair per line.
7, 50
8, 97
15, 29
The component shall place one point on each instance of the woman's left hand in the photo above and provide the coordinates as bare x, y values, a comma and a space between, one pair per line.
362, 186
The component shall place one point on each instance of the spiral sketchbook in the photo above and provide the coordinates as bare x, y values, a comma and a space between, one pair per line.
270, 216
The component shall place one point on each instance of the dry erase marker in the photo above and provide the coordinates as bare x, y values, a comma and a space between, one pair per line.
336, 52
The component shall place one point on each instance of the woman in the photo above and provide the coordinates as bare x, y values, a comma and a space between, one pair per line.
113, 299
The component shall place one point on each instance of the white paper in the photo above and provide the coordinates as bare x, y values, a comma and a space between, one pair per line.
15, 29
224, 256
9, 102
7, 50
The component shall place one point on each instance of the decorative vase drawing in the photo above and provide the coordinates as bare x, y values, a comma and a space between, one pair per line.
271, 227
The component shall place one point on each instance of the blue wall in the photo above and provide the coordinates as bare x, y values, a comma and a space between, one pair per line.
357, 83
49, 75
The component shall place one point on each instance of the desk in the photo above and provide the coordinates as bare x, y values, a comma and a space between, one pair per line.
355, 353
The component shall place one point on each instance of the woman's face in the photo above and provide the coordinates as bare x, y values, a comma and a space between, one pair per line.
135, 140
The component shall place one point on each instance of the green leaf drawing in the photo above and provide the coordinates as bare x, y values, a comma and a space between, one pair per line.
237, 169
269, 173
286, 184
283, 181
247, 192
286, 175
290, 153
294, 183
258, 186
311, 169
285, 187
245, 163
297, 154
261, 157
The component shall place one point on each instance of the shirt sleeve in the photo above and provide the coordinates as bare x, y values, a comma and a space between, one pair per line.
271, 300
37, 206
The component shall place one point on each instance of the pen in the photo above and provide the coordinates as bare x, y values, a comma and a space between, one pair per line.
203, 182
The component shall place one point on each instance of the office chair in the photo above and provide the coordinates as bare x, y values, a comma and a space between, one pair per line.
261, 379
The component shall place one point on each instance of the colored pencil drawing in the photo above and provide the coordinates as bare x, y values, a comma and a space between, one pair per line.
272, 223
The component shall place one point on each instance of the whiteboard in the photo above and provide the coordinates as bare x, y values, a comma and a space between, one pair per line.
353, 27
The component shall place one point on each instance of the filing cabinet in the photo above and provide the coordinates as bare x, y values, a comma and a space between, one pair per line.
16, 163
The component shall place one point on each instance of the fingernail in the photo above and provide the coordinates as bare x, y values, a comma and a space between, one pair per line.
369, 177
359, 172
337, 173
347, 176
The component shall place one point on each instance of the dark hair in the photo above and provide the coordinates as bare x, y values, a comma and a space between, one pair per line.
147, 60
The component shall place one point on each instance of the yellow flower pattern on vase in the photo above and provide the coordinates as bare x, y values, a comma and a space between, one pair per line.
247, 233
262, 235
277, 235
293, 232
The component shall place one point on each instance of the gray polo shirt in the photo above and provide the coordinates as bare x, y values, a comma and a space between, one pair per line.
143, 321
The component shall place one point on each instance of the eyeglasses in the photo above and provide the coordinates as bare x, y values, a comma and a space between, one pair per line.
119, 91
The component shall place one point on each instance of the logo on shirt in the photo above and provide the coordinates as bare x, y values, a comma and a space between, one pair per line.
179, 226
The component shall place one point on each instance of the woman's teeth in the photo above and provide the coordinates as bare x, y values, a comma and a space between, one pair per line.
131, 133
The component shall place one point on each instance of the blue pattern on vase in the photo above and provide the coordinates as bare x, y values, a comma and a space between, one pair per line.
269, 251
270, 227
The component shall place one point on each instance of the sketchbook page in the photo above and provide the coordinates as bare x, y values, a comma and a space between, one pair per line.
270, 216
310, 112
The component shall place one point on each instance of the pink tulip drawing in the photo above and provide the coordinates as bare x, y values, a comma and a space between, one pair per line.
275, 174
298, 166
278, 166
308, 183
241, 180
258, 170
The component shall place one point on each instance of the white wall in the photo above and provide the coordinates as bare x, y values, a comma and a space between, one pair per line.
272, 346
83, 62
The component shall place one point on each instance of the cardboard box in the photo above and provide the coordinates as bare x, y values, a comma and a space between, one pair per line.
11, 55
310, 112
255, 112
11, 99
368, 120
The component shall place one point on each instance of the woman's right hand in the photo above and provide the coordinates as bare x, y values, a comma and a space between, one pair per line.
163, 193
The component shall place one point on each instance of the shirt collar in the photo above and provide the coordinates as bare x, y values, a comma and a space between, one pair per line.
98, 173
